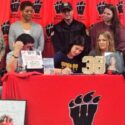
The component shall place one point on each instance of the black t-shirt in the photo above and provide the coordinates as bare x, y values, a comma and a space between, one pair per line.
62, 61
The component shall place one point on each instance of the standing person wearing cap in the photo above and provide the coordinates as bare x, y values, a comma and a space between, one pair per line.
66, 30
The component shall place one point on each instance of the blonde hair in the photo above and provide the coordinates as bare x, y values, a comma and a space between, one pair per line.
109, 36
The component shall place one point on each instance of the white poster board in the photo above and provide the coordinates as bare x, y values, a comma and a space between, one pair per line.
32, 59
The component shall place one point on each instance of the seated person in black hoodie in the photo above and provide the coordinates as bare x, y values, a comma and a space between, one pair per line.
67, 59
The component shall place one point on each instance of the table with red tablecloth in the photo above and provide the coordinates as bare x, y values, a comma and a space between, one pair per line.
48, 96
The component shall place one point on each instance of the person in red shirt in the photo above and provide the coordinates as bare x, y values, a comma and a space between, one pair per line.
110, 22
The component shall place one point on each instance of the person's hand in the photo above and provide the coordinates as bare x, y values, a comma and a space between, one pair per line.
18, 46
66, 71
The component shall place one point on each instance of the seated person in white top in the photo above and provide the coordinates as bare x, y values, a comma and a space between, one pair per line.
67, 59
14, 60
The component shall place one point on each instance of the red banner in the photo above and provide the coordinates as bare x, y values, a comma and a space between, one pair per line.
48, 12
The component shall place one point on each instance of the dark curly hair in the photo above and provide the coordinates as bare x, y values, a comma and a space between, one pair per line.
25, 4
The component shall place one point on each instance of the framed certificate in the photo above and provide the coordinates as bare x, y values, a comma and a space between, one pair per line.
12, 112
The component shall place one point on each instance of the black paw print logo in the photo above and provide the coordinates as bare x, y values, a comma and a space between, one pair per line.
14, 5
50, 30
101, 7
81, 7
5, 27
120, 6
83, 108
58, 6
37, 6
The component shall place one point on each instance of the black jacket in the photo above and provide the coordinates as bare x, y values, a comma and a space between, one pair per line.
64, 34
